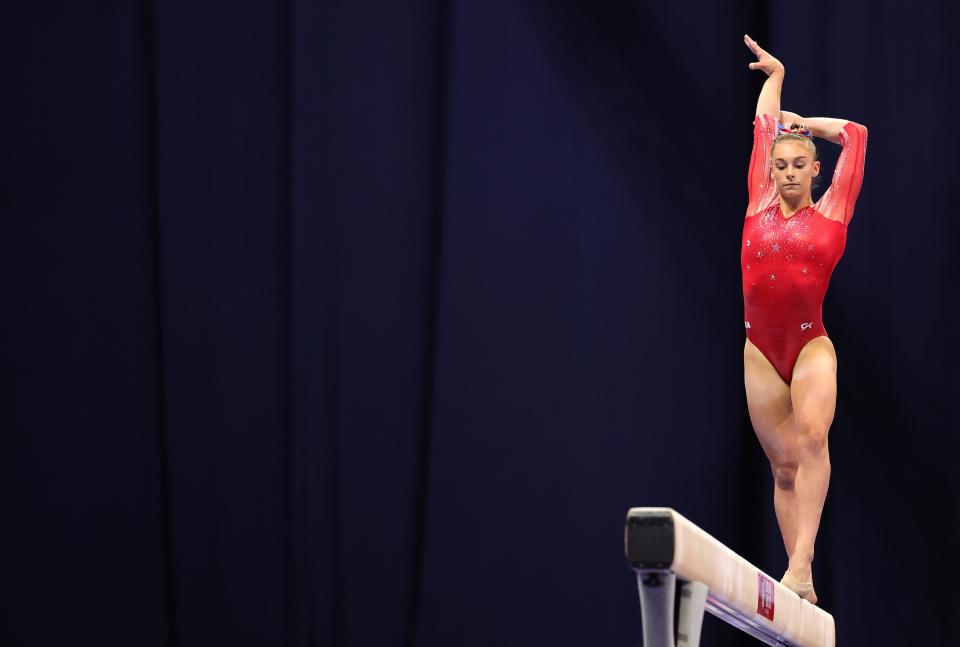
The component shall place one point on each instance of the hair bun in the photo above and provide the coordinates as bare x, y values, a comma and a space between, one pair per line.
794, 129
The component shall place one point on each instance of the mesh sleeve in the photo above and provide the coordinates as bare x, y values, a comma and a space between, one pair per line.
838, 201
760, 186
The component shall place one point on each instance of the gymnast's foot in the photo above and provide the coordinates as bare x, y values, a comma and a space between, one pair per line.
799, 579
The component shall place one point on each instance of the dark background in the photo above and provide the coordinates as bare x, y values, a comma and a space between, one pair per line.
342, 323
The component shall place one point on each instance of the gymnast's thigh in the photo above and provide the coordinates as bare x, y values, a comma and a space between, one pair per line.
814, 385
770, 406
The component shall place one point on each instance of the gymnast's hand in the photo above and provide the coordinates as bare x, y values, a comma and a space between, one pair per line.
765, 60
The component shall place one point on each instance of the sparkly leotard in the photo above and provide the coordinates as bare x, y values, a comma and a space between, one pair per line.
787, 261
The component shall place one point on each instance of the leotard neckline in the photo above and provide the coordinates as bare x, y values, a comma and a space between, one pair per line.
812, 205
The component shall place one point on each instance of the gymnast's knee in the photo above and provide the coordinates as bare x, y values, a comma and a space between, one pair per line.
784, 475
813, 437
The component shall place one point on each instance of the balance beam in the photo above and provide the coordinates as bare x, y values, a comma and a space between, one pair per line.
667, 550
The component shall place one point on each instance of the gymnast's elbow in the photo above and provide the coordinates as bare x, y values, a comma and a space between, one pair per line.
859, 128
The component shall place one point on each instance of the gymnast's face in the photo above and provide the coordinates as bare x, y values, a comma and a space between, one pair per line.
794, 168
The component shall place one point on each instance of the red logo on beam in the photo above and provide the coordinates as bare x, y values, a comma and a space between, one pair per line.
765, 596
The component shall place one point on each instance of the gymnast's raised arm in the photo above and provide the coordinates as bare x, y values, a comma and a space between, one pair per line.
769, 101
761, 189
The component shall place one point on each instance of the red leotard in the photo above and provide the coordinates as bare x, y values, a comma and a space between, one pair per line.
787, 262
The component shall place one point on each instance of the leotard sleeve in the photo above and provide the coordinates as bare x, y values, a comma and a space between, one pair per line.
760, 186
838, 201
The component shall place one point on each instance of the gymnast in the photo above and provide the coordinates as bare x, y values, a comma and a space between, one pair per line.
790, 246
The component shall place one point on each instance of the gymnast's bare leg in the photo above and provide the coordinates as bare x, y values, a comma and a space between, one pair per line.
792, 423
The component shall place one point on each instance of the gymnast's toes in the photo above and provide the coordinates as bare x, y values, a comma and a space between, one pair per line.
803, 589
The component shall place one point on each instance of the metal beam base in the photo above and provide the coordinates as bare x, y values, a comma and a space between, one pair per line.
669, 621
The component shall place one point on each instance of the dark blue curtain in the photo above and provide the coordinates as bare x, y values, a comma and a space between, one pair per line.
365, 323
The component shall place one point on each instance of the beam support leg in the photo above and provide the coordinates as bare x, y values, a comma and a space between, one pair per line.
693, 601
657, 590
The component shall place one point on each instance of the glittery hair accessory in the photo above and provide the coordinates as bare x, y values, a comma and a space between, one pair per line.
782, 130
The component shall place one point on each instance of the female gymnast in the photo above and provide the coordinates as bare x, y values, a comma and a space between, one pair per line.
790, 246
